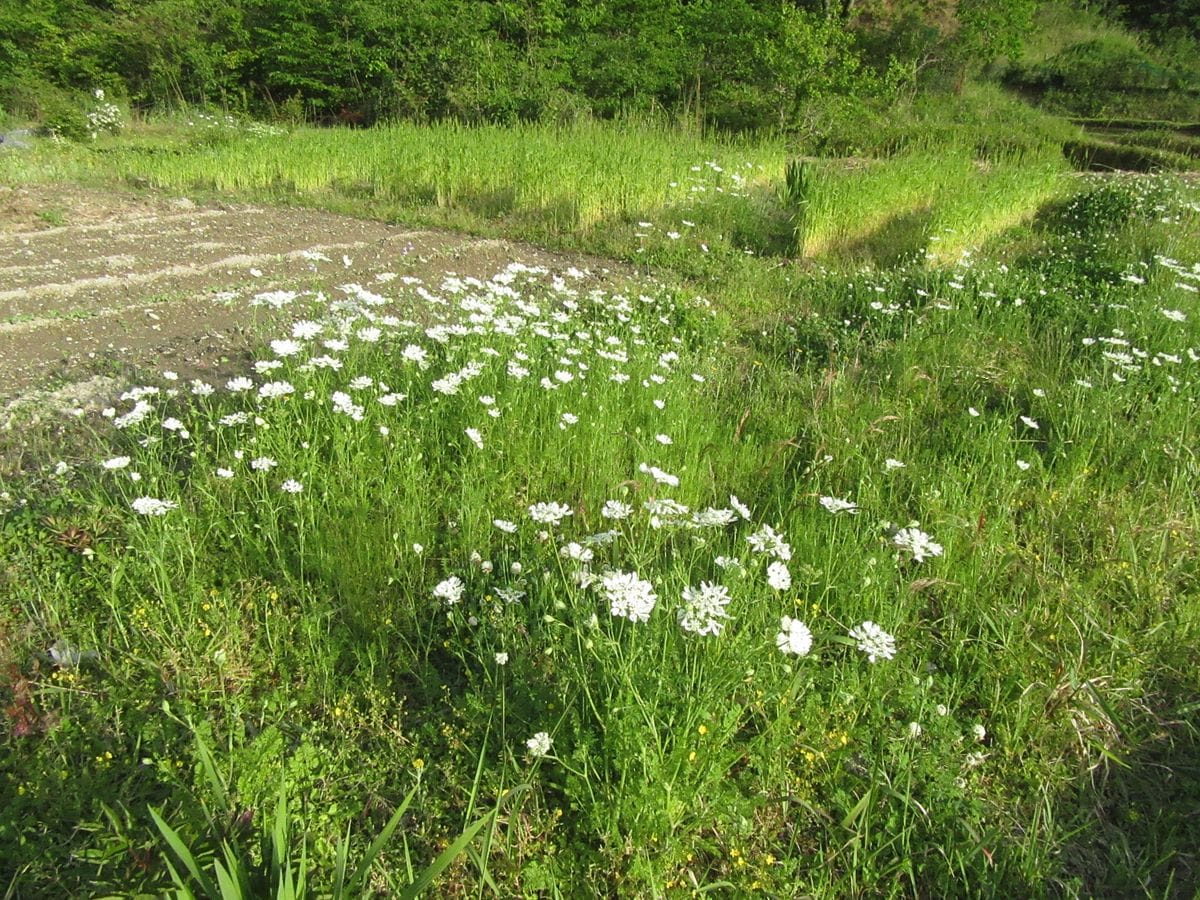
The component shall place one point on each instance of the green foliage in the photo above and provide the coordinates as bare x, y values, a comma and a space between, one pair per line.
739, 65
1162, 17
60, 115
230, 868
1088, 78
1034, 410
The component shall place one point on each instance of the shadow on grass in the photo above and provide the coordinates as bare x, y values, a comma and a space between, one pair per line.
1138, 831
898, 239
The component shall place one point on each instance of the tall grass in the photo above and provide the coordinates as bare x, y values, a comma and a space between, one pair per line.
587, 186
563, 178
899, 205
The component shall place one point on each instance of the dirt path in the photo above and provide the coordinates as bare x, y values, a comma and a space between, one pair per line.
95, 286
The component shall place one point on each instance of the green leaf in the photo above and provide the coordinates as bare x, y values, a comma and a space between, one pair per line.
360, 874
447, 856
183, 854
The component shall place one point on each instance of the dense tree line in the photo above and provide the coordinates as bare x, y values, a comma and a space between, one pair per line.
1169, 19
732, 63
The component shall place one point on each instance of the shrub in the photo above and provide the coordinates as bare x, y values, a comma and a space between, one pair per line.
62, 117
104, 117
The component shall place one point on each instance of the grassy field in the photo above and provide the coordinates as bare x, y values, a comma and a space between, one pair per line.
869, 575
589, 186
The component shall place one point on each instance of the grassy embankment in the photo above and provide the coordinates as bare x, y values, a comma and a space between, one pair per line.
1030, 410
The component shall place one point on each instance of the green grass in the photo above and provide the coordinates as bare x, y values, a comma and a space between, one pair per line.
557, 179
1061, 25
1034, 732
588, 186
933, 201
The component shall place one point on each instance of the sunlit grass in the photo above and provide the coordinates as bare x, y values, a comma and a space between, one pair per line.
944, 201
562, 178
329, 599
589, 185
341, 619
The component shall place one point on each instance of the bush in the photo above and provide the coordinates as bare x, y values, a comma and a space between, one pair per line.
1105, 76
104, 117
62, 117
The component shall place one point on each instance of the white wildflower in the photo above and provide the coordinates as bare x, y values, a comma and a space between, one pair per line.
794, 638
704, 608
150, 506
615, 509
836, 505
659, 475
451, 590
549, 513
628, 596
539, 744
918, 544
874, 641
778, 576
768, 540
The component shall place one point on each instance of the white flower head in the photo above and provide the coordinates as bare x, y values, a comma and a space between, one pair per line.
739, 507
628, 596
615, 509
451, 590
549, 513
768, 540
539, 745
778, 576
917, 543
794, 637
704, 608
151, 506
576, 552
659, 475
874, 641
836, 506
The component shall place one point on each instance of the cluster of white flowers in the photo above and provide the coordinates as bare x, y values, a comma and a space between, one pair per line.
104, 117
704, 608
628, 596
916, 543
794, 637
450, 590
549, 513
874, 641
151, 506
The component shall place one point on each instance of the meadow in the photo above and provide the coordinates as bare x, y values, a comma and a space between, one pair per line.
846, 546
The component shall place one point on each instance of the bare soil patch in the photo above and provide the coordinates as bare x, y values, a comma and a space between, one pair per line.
96, 286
